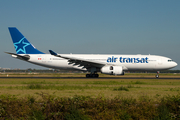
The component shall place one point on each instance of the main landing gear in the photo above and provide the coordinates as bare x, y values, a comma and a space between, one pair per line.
157, 75
92, 75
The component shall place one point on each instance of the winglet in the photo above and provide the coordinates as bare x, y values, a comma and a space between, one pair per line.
53, 53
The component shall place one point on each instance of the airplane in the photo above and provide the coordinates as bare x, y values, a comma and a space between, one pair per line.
112, 64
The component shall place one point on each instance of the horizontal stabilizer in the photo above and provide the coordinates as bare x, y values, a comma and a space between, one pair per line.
23, 57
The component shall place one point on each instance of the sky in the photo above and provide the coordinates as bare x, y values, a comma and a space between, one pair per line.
92, 27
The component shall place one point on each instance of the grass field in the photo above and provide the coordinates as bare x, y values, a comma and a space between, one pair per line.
86, 99
109, 88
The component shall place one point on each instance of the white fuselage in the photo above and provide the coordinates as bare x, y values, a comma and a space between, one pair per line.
106, 64
128, 62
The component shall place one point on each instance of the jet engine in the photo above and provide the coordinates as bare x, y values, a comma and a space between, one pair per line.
112, 70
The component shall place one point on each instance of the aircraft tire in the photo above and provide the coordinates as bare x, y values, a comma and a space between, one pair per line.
96, 75
157, 76
92, 75
87, 75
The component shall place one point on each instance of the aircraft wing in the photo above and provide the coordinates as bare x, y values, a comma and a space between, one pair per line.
80, 61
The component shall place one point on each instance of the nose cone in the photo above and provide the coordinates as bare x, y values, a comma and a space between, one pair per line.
171, 64
175, 64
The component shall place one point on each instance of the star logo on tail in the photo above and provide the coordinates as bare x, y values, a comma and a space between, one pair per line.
21, 46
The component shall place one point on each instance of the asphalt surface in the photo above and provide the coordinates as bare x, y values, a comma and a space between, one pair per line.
88, 78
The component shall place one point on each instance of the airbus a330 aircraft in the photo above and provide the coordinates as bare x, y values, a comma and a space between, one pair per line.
106, 63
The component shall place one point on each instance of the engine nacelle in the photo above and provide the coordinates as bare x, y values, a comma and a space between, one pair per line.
112, 70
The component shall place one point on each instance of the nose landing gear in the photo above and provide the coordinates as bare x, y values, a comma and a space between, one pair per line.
157, 75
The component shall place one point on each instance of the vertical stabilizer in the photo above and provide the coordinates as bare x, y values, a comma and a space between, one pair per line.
21, 44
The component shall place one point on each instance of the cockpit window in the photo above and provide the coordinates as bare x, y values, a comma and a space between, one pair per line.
170, 60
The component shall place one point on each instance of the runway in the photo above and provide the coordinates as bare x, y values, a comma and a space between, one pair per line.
177, 78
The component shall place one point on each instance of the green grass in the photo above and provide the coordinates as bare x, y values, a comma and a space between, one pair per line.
88, 108
121, 89
109, 88
54, 87
90, 98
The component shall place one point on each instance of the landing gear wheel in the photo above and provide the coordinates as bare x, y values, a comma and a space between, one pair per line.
157, 76
92, 75
96, 75
87, 75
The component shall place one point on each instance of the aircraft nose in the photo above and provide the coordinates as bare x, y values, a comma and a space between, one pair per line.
175, 64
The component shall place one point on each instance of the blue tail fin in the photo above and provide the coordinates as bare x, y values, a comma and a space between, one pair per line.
21, 44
